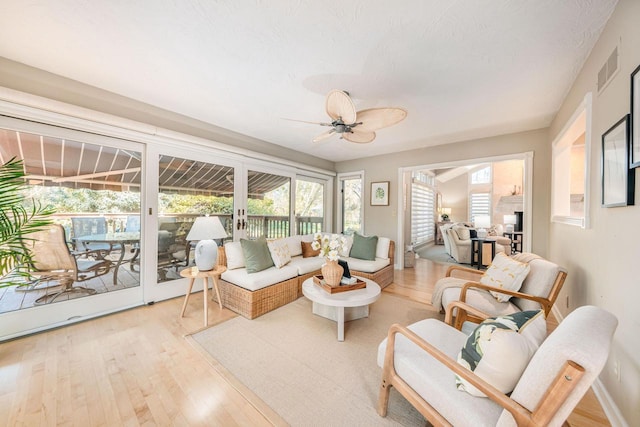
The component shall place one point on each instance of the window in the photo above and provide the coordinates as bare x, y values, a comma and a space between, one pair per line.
570, 173
479, 204
351, 207
481, 176
309, 205
422, 208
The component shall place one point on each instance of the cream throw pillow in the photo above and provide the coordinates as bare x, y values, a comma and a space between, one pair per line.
506, 273
462, 232
280, 253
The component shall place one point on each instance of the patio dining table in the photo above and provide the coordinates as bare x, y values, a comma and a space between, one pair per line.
121, 238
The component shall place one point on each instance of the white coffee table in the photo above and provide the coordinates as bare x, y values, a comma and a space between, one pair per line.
343, 306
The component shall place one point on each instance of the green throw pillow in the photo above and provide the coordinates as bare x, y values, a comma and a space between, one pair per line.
364, 247
256, 254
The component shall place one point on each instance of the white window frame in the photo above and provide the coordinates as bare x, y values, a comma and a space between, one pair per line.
580, 122
342, 177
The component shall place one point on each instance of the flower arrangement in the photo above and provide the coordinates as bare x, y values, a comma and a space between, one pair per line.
329, 245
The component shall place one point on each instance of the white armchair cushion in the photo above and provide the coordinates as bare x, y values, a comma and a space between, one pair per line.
505, 273
463, 232
433, 381
500, 348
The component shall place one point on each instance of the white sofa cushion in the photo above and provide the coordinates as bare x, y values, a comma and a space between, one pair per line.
433, 381
261, 279
235, 256
382, 248
293, 242
306, 265
366, 266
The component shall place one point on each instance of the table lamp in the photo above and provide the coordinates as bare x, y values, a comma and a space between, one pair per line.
204, 230
481, 223
509, 221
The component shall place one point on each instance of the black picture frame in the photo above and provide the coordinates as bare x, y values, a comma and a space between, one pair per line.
618, 180
634, 154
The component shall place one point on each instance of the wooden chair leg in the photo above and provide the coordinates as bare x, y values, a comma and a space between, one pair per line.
383, 397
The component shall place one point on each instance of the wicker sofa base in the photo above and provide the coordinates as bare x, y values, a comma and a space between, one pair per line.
251, 304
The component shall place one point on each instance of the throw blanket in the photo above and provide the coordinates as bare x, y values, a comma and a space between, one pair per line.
454, 282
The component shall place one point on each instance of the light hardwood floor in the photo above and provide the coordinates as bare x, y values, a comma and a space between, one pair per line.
136, 368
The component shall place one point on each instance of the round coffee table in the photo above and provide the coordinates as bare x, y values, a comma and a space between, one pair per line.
332, 306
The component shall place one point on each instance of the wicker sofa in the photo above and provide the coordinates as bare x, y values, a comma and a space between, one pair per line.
252, 295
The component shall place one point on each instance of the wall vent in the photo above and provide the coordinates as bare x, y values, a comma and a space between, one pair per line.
608, 70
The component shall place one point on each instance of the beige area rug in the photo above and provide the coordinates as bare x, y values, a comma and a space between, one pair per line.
290, 360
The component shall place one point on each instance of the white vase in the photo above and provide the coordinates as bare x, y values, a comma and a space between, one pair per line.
206, 255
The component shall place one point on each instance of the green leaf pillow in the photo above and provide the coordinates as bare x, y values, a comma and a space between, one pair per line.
256, 254
364, 247
499, 350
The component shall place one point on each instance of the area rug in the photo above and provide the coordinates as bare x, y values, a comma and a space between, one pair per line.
290, 359
437, 254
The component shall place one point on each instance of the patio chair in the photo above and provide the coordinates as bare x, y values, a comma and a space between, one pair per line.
419, 361
88, 226
52, 260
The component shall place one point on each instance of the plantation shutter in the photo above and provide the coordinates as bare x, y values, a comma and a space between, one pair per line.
480, 204
422, 213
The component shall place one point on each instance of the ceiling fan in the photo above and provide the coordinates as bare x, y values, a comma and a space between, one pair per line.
355, 126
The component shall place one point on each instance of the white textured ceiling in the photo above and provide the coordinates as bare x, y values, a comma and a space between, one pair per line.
462, 68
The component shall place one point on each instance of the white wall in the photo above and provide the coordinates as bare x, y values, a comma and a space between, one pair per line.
604, 261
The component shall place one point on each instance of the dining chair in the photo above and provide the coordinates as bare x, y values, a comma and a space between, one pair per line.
88, 226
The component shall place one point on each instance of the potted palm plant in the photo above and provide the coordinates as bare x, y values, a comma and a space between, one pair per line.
19, 216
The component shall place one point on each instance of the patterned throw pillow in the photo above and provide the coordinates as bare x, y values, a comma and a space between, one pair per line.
506, 273
500, 348
279, 250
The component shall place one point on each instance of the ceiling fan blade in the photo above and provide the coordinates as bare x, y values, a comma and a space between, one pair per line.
358, 136
304, 121
340, 105
377, 118
324, 135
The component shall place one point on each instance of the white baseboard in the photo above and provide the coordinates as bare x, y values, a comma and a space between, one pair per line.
608, 405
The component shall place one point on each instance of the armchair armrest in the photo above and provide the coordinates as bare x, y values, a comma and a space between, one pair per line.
463, 310
520, 413
466, 270
540, 300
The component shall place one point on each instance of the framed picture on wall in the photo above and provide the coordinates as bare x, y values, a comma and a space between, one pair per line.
380, 193
618, 181
634, 159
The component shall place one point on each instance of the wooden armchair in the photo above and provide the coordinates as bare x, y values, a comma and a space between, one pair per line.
419, 361
539, 290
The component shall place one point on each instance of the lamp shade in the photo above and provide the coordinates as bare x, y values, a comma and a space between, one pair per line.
446, 211
482, 221
204, 230
510, 220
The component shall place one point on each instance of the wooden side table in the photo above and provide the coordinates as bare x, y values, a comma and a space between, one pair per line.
193, 273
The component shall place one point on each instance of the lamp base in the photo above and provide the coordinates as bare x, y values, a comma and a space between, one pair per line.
206, 255
508, 228
482, 233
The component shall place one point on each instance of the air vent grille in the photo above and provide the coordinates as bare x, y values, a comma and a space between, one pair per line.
608, 70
